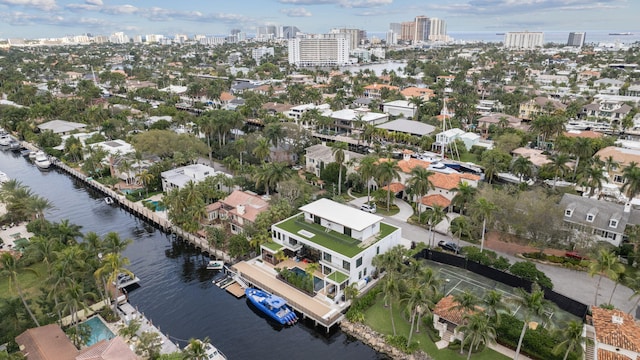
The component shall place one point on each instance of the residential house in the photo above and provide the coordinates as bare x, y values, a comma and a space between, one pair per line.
447, 316
342, 239
445, 187
536, 156
633, 90
401, 108
413, 91
298, 111
610, 110
239, 209
485, 122
410, 127
605, 220
608, 86
623, 157
61, 127
448, 137
49, 342
318, 156
538, 106
615, 335
375, 90
179, 177
346, 120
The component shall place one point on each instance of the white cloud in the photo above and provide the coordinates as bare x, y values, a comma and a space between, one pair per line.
94, 2
479, 7
341, 3
296, 12
38, 4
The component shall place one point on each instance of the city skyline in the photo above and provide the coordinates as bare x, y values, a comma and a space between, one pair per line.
54, 18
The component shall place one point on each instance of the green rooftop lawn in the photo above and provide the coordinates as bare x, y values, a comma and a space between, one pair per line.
332, 240
272, 246
337, 277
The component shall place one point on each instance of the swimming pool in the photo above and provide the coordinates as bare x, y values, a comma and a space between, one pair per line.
99, 330
317, 282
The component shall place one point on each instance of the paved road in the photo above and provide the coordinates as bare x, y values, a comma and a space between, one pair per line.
575, 284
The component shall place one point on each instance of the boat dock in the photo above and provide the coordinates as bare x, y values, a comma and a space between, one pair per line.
128, 313
322, 310
236, 290
140, 210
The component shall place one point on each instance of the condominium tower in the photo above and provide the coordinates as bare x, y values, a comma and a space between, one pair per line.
523, 40
576, 39
319, 50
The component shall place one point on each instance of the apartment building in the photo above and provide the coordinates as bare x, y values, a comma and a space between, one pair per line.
523, 40
319, 50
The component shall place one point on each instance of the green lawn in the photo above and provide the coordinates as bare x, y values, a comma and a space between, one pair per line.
377, 317
29, 282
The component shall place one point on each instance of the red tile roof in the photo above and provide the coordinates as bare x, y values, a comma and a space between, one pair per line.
616, 328
395, 187
437, 199
47, 342
446, 309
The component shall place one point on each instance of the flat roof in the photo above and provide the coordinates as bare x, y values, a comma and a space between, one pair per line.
408, 126
341, 214
332, 240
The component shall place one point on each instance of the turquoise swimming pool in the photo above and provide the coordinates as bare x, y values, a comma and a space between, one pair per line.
317, 282
99, 330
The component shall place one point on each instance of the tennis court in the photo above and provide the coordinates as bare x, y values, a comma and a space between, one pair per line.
456, 280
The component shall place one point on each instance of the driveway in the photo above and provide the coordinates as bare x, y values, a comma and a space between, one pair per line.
405, 210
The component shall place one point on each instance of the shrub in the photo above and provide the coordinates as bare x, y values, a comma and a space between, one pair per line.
527, 270
400, 342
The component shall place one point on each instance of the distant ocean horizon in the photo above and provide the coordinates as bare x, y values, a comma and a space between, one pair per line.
592, 37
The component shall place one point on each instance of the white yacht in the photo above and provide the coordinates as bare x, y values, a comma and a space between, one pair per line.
212, 353
511, 178
42, 160
5, 139
3, 178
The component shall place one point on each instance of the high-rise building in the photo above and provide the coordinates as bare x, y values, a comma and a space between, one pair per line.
288, 32
576, 39
523, 40
407, 31
392, 37
421, 29
258, 53
319, 50
355, 36
266, 32
437, 30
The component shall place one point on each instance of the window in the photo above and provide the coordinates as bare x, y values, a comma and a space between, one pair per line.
378, 250
326, 257
568, 212
346, 265
590, 217
359, 275
316, 219
347, 231
365, 271
618, 179
359, 262
613, 223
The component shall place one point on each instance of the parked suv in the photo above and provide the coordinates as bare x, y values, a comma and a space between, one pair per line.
370, 208
449, 246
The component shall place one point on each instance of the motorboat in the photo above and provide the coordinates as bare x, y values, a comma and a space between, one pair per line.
211, 352
123, 280
441, 168
25, 152
3, 178
32, 155
510, 178
5, 139
271, 305
42, 160
215, 265
108, 200
14, 145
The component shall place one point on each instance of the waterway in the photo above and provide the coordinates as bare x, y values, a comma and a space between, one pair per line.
176, 291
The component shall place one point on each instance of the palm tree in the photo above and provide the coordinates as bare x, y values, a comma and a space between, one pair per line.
274, 133
592, 177
533, 304
464, 195
477, 330
558, 166
114, 244
367, 169
391, 290
493, 303
112, 265
271, 174
67, 232
435, 216
351, 292
484, 208
262, 149
522, 167
338, 151
387, 171
631, 176
240, 146
466, 301
459, 226
145, 177
420, 184
414, 297
9, 268
572, 335
605, 263
634, 284
582, 148
196, 350
310, 270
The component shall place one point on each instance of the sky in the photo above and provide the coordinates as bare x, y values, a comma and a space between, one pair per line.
55, 18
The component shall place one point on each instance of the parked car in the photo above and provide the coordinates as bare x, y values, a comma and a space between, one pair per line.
370, 208
575, 255
449, 246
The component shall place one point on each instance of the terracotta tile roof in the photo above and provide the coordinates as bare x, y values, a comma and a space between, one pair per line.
407, 165
621, 155
417, 92
47, 342
226, 96
114, 349
380, 86
437, 199
395, 187
623, 335
253, 204
450, 181
610, 355
445, 308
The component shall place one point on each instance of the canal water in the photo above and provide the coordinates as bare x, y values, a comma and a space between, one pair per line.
176, 291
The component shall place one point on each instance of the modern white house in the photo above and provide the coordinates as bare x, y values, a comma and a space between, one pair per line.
179, 177
400, 108
342, 239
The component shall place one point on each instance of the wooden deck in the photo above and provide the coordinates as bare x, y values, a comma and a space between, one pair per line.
317, 308
236, 290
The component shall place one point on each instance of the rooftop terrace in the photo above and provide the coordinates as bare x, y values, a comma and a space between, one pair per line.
330, 239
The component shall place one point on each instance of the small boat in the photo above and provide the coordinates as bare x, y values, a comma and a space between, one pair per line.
32, 155
14, 145
3, 178
215, 265
108, 200
25, 152
42, 160
211, 352
124, 280
271, 305
511, 178
621, 33
5, 138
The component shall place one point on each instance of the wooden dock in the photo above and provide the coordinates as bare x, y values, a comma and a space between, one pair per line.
236, 290
141, 211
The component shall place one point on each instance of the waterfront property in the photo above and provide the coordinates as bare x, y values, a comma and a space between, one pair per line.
239, 209
179, 177
342, 239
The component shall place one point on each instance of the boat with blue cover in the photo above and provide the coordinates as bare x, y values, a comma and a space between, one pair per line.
273, 306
